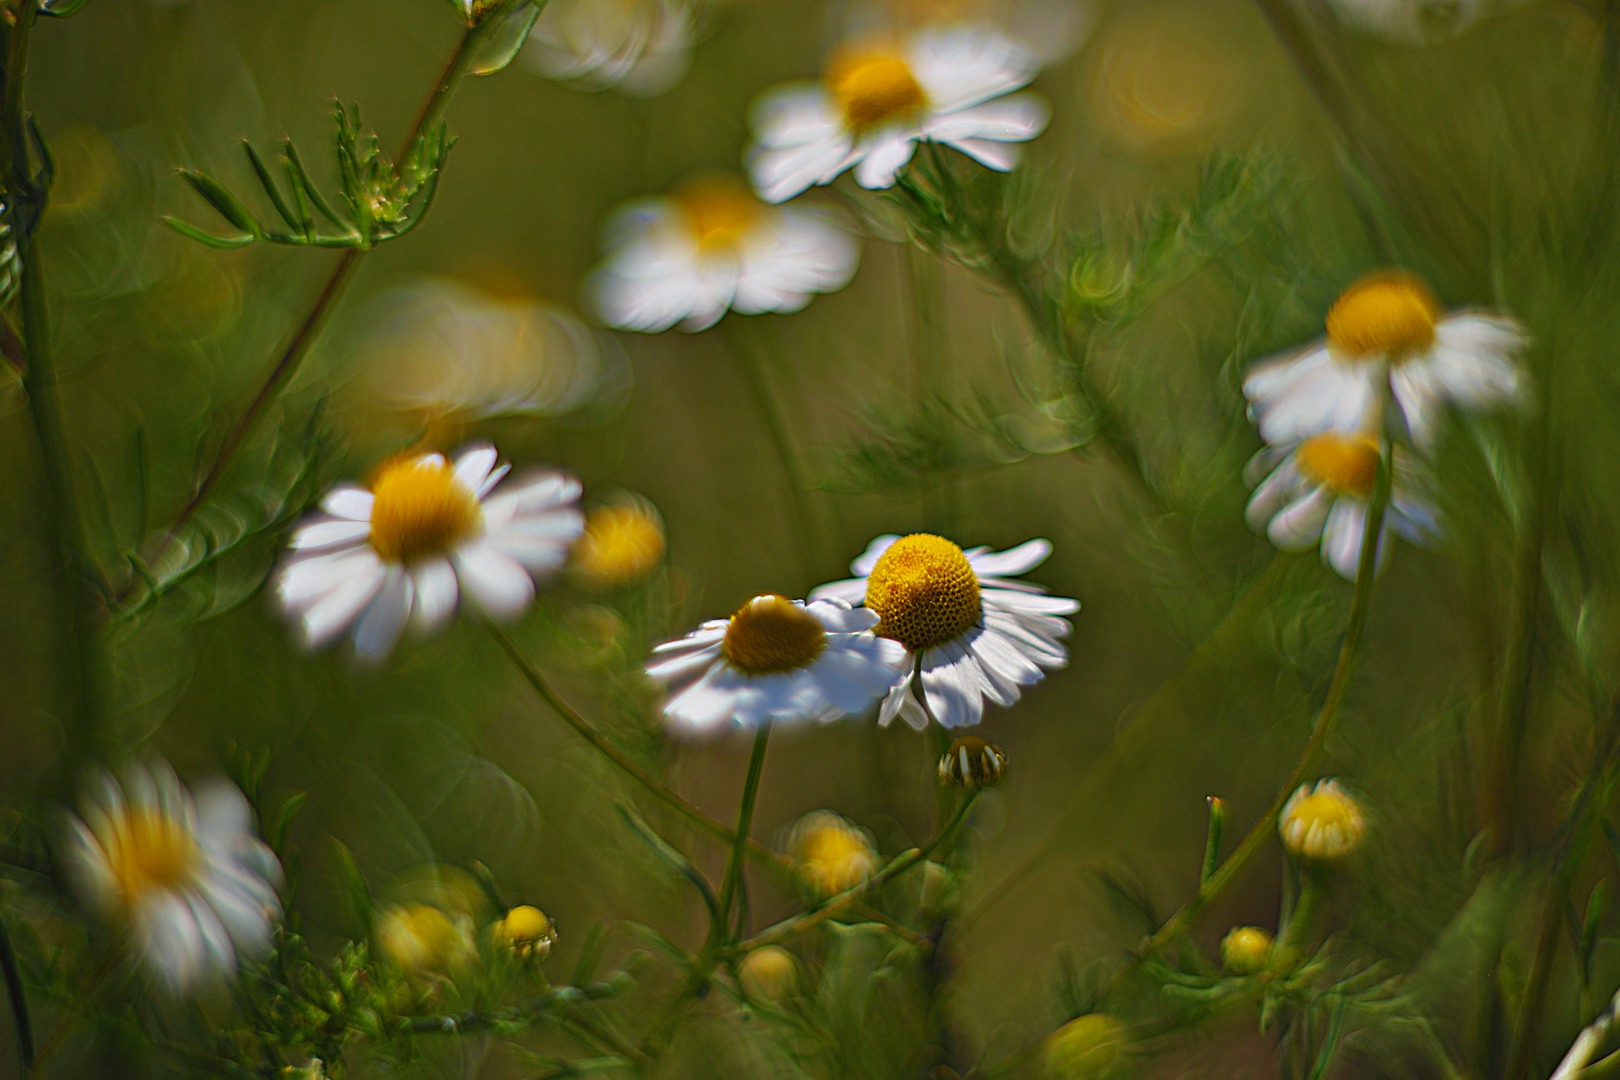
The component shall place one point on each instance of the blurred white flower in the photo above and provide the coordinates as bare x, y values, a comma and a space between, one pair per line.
878, 100
713, 247
1414, 20
969, 631
1317, 491
640, 47
777, 659
438, 348
1386, 330
426, 530
1049, 29
187, 877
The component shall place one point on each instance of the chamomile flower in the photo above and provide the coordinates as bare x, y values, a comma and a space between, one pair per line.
970, 633
1322, 822
185, 876
639, 47
424, 532
715, 247
832, 853
1413, 20
777, 659
878, 100
1317, 491
1387, 330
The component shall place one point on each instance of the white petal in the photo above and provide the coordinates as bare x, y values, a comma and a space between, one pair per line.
338, 609
883, 161
379, 627
1342, 535
474, 465
1016, 119
953, 685
1016, 560
348, 502
434, 584
862, 566
1299, 525
494, 579
338, 532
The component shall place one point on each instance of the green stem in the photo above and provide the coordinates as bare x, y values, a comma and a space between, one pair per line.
308, 330
739, 846
833, 905
776, 429
19, 1001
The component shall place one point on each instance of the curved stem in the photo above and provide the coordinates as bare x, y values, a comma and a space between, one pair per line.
833, 905
739, 845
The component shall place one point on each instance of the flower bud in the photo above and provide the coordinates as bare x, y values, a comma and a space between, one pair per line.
972, 763
1321, 823
623, 542
832, 854
421, 939
1245, 950
1086, 1048
527, 931
769, 973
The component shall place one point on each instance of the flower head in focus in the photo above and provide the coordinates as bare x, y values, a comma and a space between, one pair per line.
1322, 823
526, 931
714, 247
638, 47
1318, 491
1387, 331
832, 854
970, 632
777, 659
877, 100
405, 549
186, 876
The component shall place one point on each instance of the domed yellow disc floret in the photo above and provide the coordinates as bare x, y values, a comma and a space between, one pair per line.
1346, 464
771, 634
149, 852
719, 211
1322, 823
620, 544
832, 854
1245, 950
420, 509
924, 591
1387, 314
526, 930
873, 87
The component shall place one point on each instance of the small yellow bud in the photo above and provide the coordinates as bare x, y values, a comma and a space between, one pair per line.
1086, 1048
972, 763
769, 973
832, 854
527, 931
1245, 950
421, 939
1321, 823
622, 543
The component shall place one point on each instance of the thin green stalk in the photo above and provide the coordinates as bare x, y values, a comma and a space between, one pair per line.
19, 1001
833, 905
805, 533
732, 880
308, 330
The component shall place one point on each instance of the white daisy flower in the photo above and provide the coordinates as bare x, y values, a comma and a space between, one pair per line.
639, 47
425, 531
777, 659
1049, 29
1413, 20
970, 633
714, 247
1387, 330
186, 878
1316, 492
876, 102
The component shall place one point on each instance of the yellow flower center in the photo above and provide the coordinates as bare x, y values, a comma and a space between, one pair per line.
148, 853
924, 591
1387, 314
526, 930
620, 544
832, 856
1326, 810
873, 87
771, 634
422, 938
719, 211
1344, 464
420, 509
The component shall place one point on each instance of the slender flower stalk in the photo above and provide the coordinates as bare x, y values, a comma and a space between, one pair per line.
19, 1002
745, 821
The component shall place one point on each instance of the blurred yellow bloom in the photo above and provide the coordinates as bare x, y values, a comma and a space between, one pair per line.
769, 973
832, 854
527, 931
1245, 950
421, 939
1086, 1048
1322, 822
622, 543
1164, 82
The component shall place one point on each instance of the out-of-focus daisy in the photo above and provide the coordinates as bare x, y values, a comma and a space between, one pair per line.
878, 100
1386, 330
832, 854
970, 633
714, 247
1049, 29
1413, 20
1318, 490
426, 530
623, 542
184, 875
640, 47
425, 941
1322, 822
777, 659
